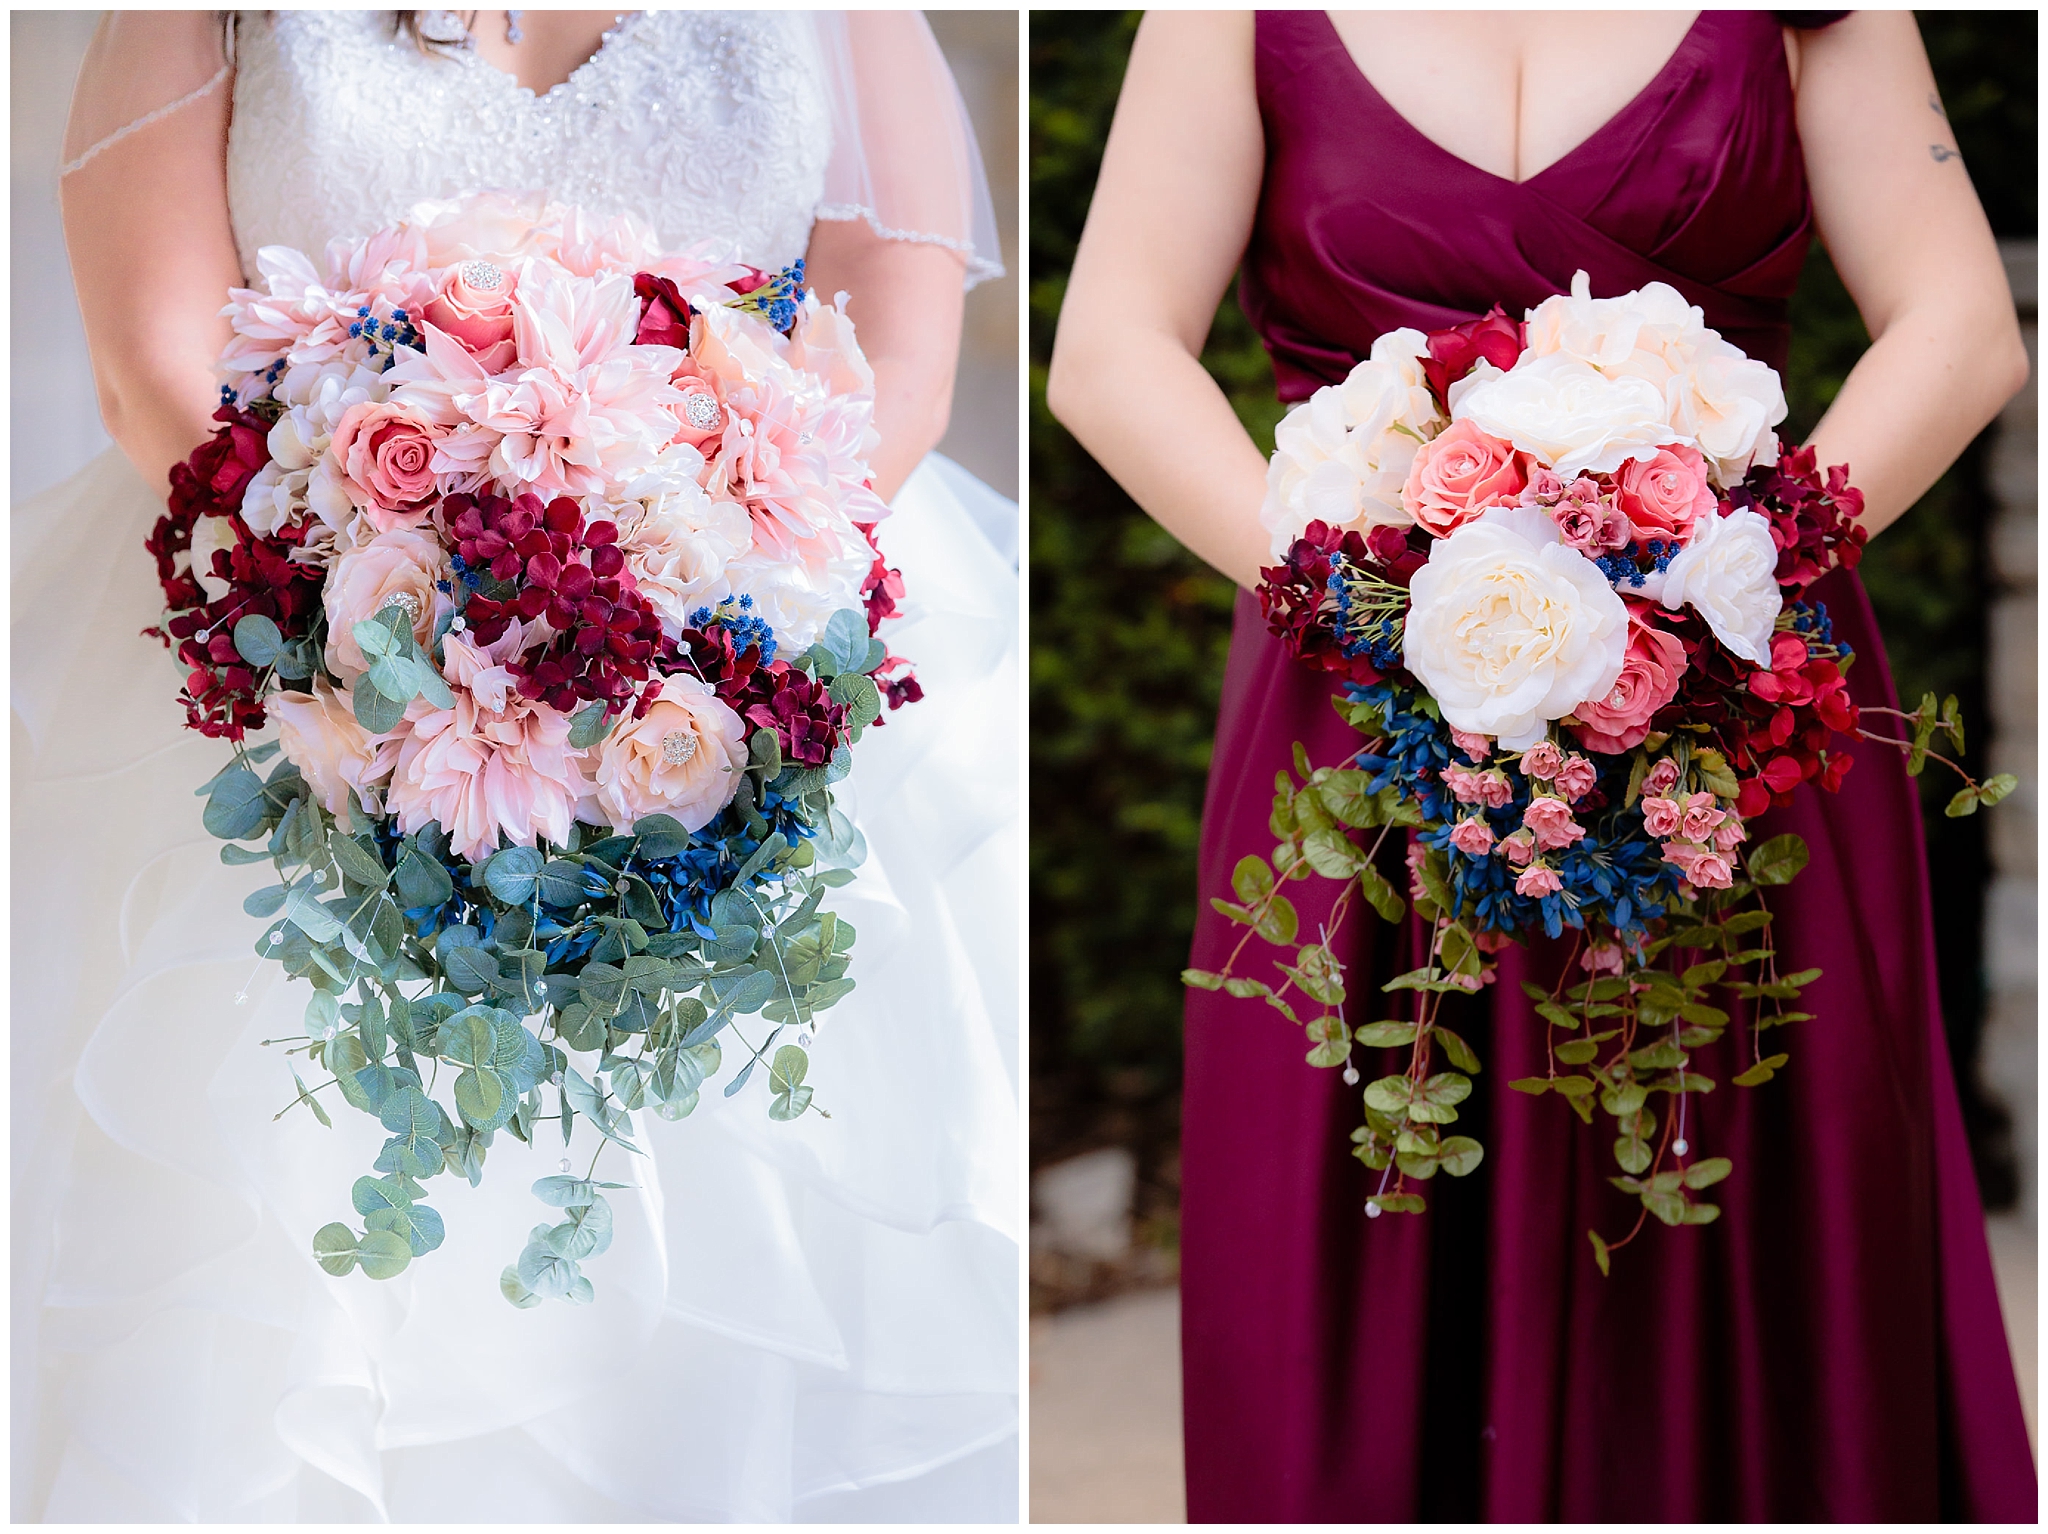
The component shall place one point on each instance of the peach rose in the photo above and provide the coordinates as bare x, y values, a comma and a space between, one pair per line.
319, 735
1620, 720
399, 567
473, 303
700, 414
1664, 495
1458, 474
385, 454
682, 758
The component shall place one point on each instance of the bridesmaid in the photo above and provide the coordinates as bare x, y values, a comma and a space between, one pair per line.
1831, 1349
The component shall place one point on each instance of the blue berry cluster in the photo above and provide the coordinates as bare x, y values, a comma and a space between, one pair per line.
748, 630
777, 299
1379, 642
1811, 620
1624, 566
392, 333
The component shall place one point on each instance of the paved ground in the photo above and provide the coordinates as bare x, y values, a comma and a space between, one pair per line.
1105, 1396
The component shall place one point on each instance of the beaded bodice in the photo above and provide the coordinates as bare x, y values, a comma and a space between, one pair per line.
709, 125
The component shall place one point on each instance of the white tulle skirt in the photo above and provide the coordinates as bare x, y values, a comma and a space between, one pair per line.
816, 1320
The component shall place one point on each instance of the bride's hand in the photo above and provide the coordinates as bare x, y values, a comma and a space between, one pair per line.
1172, 211
1910, 241
146, 222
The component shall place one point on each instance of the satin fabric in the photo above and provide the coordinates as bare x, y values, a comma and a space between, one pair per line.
813, 1320
1832, 1347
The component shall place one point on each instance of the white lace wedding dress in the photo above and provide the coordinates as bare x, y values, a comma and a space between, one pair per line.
816, 1320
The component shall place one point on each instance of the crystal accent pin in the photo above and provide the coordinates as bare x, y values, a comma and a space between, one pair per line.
677, 747
701, 411
406, 602
483, 276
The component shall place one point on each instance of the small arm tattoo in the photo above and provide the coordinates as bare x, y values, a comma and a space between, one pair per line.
1934, 104
1942, 152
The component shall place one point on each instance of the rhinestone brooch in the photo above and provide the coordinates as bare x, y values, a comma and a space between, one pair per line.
406, 602
702, 411
677, 747
482, 276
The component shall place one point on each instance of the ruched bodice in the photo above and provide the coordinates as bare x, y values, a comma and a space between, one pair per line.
1366, 225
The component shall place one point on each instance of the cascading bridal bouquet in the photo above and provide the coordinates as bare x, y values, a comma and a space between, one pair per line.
552, 559
1559, 567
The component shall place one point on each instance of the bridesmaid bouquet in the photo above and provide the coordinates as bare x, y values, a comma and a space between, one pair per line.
552, 559
1560, 569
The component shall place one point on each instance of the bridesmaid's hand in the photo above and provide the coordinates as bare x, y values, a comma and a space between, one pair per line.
1172, 211
146, 222
1907, 234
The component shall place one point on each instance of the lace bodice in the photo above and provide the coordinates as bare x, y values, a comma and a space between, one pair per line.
709, 125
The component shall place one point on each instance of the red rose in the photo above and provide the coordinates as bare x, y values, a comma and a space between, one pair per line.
1453, 352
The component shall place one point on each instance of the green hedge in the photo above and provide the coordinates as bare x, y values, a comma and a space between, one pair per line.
1129, 632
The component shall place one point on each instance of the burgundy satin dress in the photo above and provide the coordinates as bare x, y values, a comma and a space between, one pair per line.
1832, 1348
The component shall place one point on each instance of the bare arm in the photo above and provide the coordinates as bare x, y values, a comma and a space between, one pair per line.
146, 222
1904, 227
906, 301
1172, 212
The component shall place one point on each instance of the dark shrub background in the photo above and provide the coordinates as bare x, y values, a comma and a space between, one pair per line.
1129, 633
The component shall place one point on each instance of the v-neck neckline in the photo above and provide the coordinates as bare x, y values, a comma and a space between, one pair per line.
612, 34
1657, 80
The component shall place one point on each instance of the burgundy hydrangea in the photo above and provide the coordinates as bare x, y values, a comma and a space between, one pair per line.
738, 676
1295, 596
546, 562
1816, 525
882, 589
802, 714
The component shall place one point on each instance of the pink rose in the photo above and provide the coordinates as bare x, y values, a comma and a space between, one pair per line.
1702, 817
1457, 474
1587, 521
1519, 846
1665, 495
1463, 783
473, 303
1602, 958
1703, 869
1662, 778
1543, 489
319, 735
1473, 836
700, 413
1538, 879
385, 453
1475, 747
1494, 789
1661, 817
1487, 940
1575, 779
1649, 677
1542, 760
1731, 833
402, 568
683, 757
1550, 821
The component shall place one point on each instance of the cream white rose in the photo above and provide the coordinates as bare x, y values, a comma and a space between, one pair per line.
1342, 455
1572, 417
1728, 575
1509, 628
1728, 404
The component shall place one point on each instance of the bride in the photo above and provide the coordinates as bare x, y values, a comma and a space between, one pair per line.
811, 1320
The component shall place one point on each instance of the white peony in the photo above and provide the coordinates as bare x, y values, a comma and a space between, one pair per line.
678, 549
796, 592
1646, 334
1728, 403
1569, 415
1728, 574
1509, 628
1342, 455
